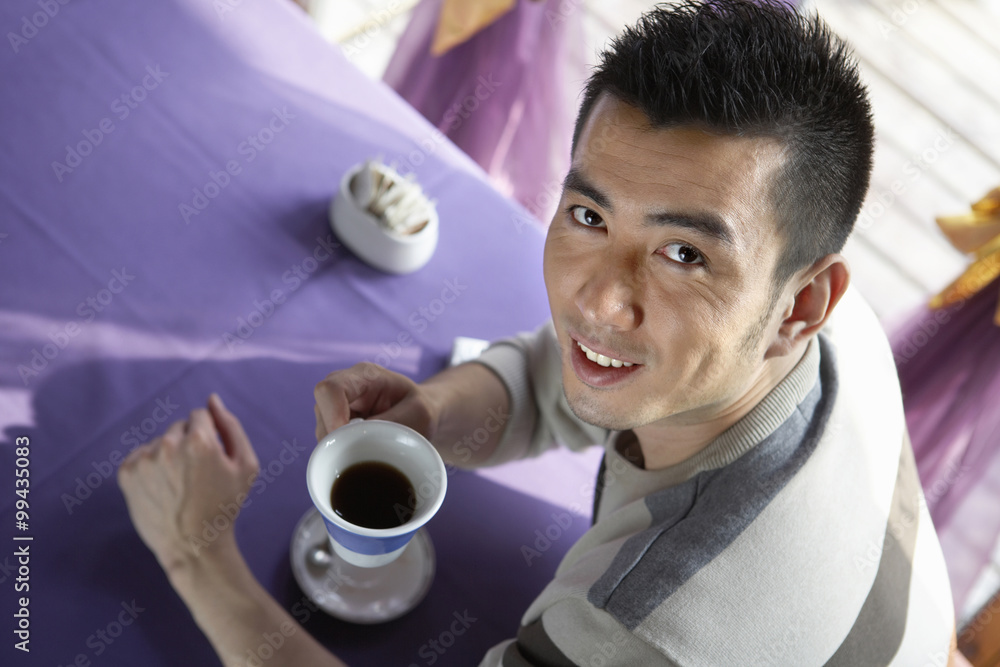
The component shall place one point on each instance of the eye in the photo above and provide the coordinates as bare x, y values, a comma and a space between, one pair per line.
682, 253
586, 217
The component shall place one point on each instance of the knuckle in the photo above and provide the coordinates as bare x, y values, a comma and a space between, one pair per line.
327, 384
369, 370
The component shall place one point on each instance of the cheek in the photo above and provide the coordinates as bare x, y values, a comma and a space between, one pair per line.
563, 261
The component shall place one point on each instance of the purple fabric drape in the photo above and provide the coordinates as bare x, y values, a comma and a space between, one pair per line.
166, 171
505, 96
949, 368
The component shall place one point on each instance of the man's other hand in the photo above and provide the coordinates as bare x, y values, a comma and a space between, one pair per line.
185, 488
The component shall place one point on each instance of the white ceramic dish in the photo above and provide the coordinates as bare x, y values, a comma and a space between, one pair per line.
361, 232
379, 595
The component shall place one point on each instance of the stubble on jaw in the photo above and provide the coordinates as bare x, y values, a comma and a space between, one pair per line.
589, 410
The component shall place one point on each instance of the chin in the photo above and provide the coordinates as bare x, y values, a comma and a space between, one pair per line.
597, 412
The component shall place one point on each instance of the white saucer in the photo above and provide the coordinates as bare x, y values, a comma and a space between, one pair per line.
357, 594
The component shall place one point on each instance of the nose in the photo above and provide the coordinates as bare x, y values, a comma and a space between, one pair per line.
610, 297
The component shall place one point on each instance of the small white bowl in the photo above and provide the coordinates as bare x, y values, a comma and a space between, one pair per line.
361, 231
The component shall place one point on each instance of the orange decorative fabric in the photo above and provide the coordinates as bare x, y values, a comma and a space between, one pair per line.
461, 19
977, 233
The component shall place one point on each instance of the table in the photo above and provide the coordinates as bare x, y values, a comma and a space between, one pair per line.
165, 173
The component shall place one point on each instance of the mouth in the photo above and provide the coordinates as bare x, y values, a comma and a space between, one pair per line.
602, 360
600, 370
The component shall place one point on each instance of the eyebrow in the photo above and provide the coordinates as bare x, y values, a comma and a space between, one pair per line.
575, 182
706, 224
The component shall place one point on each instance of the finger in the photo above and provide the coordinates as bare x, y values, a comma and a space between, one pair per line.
320, 428
231, 431
409, 412
333, 402
171, 439
176, 431
132, 470
384, 389
136, 454
202, 425
362, 390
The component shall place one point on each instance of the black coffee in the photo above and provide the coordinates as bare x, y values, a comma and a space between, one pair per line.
373, 495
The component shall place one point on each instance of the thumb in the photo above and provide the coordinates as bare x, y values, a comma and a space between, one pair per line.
231, 432
409, 412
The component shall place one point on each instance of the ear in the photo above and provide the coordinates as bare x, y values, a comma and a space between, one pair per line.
816, 293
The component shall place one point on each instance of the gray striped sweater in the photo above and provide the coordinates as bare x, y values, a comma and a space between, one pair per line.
800, 536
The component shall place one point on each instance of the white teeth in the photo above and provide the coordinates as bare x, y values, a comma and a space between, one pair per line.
602, 360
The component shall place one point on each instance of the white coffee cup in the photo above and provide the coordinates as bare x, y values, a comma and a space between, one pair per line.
385, 442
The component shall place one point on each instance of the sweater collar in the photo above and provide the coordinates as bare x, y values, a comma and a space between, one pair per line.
772, 411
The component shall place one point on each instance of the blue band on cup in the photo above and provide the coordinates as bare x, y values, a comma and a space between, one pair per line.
366, 545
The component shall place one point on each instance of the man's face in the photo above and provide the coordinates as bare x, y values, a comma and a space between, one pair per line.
661, 256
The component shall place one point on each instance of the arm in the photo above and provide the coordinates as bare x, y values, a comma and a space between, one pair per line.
239, 617
451, 409
468, 400
197, 469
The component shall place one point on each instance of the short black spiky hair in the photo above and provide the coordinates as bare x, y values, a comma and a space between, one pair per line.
755, 69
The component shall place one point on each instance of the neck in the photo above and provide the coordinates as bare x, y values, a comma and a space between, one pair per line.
677, 438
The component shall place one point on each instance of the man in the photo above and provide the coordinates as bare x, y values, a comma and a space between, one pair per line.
758, 502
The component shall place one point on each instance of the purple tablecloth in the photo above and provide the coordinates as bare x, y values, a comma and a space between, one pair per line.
165, 172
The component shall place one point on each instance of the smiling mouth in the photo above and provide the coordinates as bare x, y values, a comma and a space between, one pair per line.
598, 370
601, 359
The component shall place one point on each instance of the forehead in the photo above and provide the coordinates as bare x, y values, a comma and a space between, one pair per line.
680, 169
